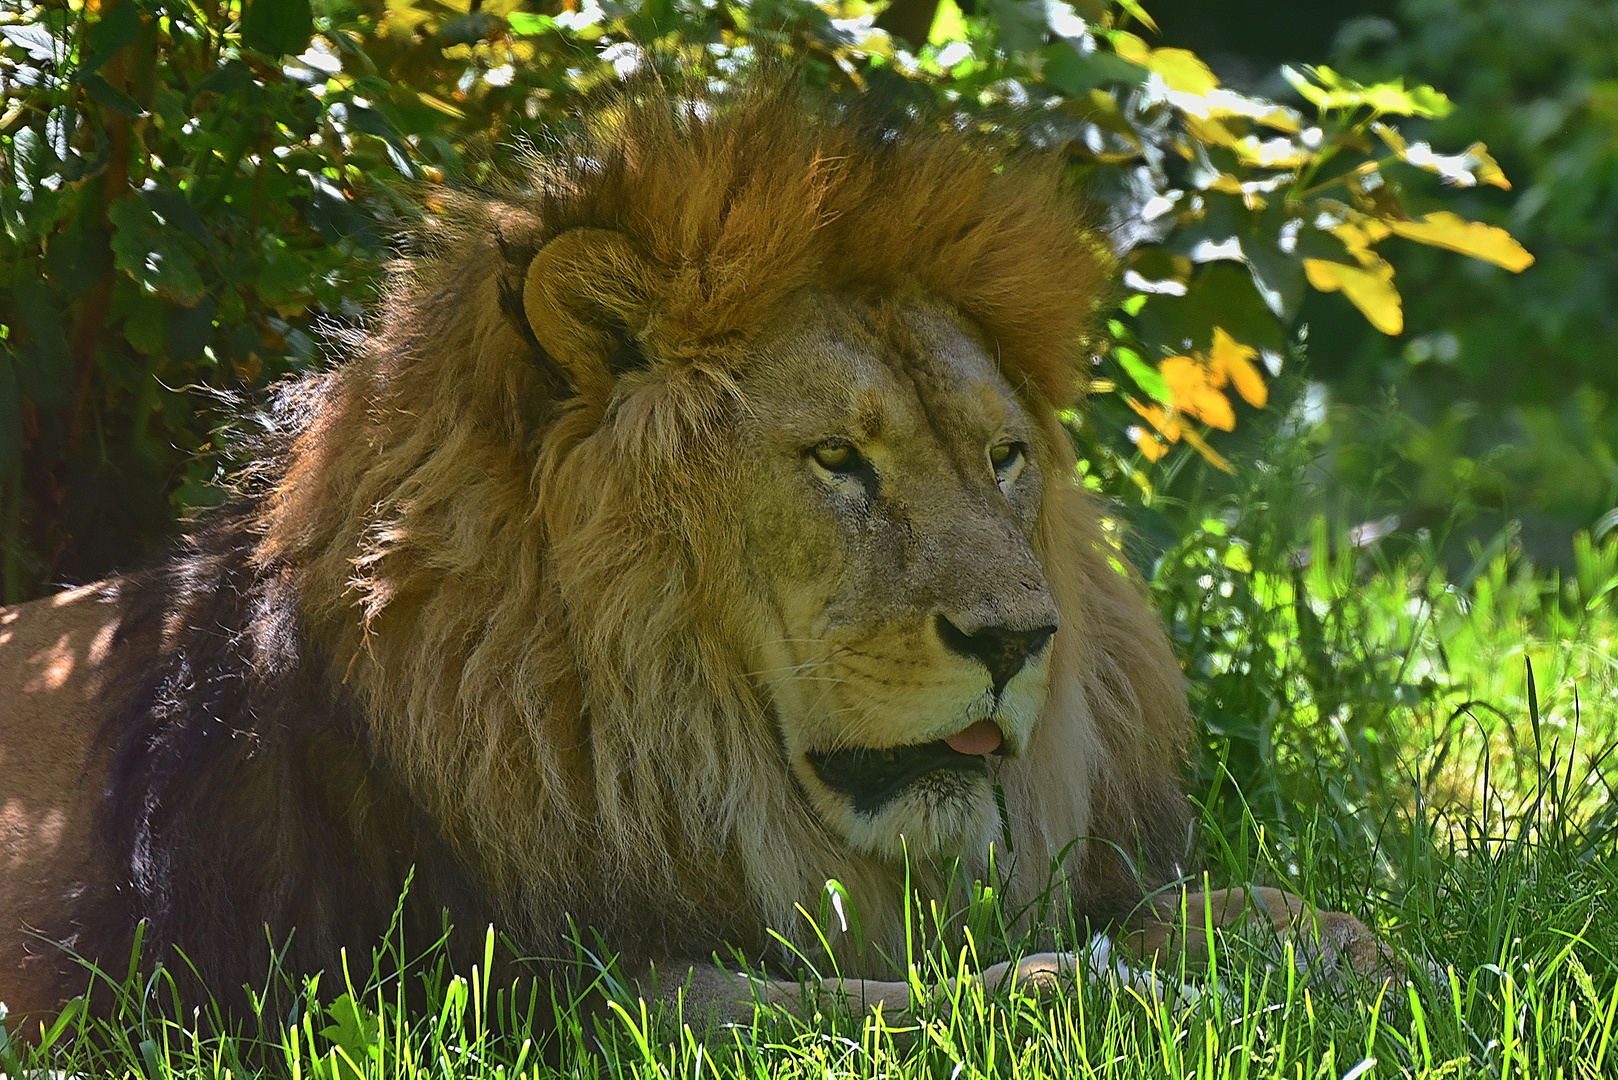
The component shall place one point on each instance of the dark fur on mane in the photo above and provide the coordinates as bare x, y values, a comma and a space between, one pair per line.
244, 804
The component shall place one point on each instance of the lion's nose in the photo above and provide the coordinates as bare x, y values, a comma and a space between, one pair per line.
1003, 650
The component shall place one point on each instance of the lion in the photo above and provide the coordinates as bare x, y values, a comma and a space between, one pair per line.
693, 526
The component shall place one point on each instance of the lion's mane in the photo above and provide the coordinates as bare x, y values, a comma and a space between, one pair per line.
449, 631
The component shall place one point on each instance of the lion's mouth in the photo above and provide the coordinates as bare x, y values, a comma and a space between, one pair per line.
872, 778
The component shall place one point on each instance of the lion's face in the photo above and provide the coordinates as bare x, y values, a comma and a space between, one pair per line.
888, 485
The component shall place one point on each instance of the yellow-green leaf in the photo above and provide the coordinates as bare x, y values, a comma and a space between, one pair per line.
1325, 89
1487, 242
948, 24
1369, 288
1488, 170
1131, 48
1471, 166
1134, 8
1182, 70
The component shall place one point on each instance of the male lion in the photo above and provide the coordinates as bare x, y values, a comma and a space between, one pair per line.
693, 527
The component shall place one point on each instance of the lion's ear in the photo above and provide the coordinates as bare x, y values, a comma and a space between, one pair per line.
586, 295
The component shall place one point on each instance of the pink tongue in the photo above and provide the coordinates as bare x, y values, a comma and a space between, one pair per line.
981, 738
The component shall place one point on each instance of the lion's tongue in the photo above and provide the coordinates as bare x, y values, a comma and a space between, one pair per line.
981, 738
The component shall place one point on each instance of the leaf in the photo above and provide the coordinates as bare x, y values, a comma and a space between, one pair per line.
1334, 91
1219, 103
146, 328
1146, 377
111, 97
1487, 242
526, 22
1134, 9
1368, 288
948, 24
1182, 71
1221, 294
1212, 456
1150, 445
1022, 24
1471, 166
37, 40
173, 209
1075, 73
1159, 418
150, 253
1234, 360
190, 329
278, 27
1194, 391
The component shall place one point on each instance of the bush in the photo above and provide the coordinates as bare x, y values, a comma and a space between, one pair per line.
201, 192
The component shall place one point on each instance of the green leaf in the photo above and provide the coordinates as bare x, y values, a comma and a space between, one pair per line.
146, 328
525, 22
1146, 377
948, 24
1221, 294
1073, 74
111, 97
37, 40
190, 330
1325, 89
151, 253
278, 27
1022, 24
174, 210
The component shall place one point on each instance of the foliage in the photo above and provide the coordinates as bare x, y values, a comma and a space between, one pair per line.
1506, 389
1339, 666
202, 191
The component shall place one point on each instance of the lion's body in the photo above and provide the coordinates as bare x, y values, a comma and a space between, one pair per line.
598, 647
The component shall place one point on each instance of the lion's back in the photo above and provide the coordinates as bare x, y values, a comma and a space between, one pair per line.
54, 658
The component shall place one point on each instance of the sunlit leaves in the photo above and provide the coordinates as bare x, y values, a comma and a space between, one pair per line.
1487, 242
1181, 70
1326, 90
1471, 166
1369, 287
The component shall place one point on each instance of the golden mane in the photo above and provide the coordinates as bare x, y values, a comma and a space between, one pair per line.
521, 613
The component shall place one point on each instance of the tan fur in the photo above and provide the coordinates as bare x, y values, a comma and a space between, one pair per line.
555, 527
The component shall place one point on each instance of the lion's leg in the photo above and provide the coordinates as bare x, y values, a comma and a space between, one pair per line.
714, 995
1330, 940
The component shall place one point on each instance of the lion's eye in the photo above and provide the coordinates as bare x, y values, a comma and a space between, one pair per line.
1006, 457
837, 457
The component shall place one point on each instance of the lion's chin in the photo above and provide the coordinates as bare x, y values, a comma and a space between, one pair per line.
923, 800
942, 815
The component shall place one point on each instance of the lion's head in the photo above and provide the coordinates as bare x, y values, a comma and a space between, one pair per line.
702, 513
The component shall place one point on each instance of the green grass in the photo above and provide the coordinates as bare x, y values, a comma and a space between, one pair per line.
1509, 925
